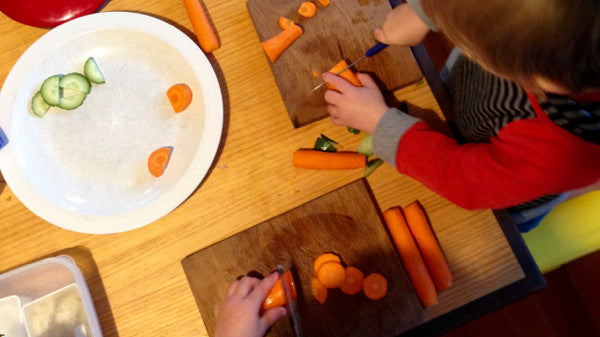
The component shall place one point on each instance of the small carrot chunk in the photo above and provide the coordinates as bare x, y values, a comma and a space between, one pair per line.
325, 3
326, 257
158, 160
284, 22
315, 73
354, 281
276, 296
276, 45
308, 9
320, 160
347, 74
180, 96
332, 274
318, 290
375, 286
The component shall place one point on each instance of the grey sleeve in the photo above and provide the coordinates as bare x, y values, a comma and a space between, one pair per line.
389, 130
418, 9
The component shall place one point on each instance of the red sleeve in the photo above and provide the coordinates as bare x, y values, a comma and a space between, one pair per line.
527, 159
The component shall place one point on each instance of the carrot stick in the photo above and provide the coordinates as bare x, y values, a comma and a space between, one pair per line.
318, 290
326, 257
276, 45
332, 274
276, 296
206, 35
428, 245
308, 9
354, 281
158, 160
348, 75
411, 257
325, 3
375, 286
319, 160
180, 96
284, 22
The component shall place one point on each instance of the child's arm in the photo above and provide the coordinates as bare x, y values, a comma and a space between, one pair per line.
402, 27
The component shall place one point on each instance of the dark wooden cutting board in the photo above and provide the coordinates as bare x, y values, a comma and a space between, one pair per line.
342, 30
345, 221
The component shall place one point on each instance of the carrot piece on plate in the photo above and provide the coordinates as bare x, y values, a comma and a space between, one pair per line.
375, 286
325, 257
284, 22
332, 274
158, 160
276, 296
276, 45
180, 96
318, 290
320, 160
354, 281
347, 74
308, 9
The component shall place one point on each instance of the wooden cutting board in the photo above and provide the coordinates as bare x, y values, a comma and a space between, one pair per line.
342, 30
345, 221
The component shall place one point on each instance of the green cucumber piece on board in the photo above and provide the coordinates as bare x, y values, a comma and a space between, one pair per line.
71, 102
76, 82
39, 107
366, 145
372, 165
51, 90
324, 145
92, 72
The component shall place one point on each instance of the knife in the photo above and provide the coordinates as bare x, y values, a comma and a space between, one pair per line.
289, 305
371, 52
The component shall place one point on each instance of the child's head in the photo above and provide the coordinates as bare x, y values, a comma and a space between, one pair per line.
528, 41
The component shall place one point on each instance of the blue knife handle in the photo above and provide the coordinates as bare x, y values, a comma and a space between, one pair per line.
375, 49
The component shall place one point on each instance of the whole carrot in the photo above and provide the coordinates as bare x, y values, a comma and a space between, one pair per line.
276, 45
411, 257
206, 36
428, 245
320, 160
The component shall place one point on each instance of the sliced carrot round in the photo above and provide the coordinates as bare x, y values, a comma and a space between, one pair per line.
326, 257
375, 286
354, 281
308, 9
318, 290
158, 160
284, 22
332, 274
180, 96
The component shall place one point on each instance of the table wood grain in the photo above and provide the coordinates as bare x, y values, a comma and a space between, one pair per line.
136, 278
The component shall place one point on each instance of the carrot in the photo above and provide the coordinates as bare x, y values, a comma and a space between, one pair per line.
325, 3
318, 290
320, 160
326, 257
206, 35
280, 42
428, 245
410, 256
375, 286
284, 22
348, 75
180, 96
276, 296
354, 281
308, 9
332, 274
315, 73
158, 160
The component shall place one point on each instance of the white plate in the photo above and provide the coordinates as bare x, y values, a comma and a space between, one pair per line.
86, 170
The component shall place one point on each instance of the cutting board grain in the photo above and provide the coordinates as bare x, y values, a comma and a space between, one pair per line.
345, 221
342, 30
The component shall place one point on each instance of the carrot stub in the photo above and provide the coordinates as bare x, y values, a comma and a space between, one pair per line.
206, 35
320, 160
180, 96
308, 9
325, 3
428, 245
318, 290
347, 74
284, 22
158, 160
276, 45
410, 256
276, 296
375, 286
354, 281
331, 274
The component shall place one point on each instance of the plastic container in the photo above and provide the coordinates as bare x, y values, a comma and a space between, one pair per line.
45, 298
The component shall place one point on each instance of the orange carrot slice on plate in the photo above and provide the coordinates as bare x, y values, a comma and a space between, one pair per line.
354, 281
158, 160
375, 286
180, 96
318, 290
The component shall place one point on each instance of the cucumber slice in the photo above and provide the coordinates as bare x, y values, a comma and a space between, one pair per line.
71, 102
51, 90
372, 165
76, 82
39, 107
92, 72
366, 145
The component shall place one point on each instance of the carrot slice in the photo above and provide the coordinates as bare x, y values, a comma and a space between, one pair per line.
332, 274
325, 257
315, 73
318, 290
428, 245
206, 35
375, 286
276, 296
410, 256
284, 22
308, 9
180, 96
348, 75
325, 3
319, 160
354, 281
158, 160
276, 45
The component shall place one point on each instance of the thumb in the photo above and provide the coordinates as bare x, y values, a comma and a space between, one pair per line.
380, 35
271, 316
366, 80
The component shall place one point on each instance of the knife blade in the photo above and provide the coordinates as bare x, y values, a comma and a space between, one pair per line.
289, 305
371, 52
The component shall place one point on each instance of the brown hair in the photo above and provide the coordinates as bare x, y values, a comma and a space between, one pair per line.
556, 39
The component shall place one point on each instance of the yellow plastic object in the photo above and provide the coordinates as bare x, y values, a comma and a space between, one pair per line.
569, 231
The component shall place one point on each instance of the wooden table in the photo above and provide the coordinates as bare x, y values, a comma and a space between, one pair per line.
136, 278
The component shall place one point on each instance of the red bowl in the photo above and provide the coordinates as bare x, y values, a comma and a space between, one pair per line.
45, 13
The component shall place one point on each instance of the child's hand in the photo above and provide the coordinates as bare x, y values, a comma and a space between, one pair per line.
357, 107
240, 313
402, 27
